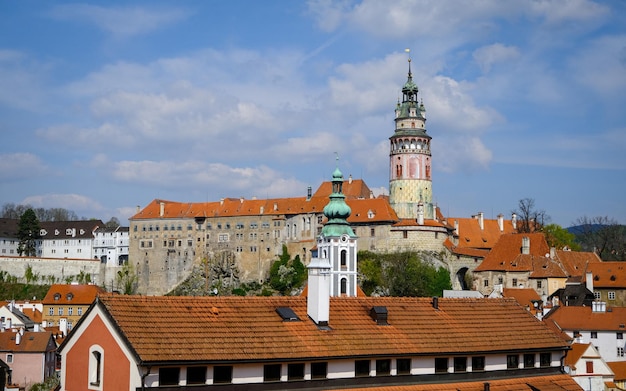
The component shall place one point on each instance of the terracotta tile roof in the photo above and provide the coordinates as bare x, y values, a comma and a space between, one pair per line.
31, 342
72, 294
413, 223
248, 328
508, 249
524, 296
33, 314
471, 235
371, 209
69, 229
583, 318
352, 188
467, 251
577, 262
578, 349
530, 383
619, 369
608, 274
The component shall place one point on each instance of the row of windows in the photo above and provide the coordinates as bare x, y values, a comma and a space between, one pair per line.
61, 311
594, 334
362, 368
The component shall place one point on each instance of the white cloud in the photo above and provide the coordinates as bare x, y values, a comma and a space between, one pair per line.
74, 202
22, 166
121, 22
489, 55
463, 154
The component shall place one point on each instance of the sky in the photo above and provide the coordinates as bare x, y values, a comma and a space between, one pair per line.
106, 106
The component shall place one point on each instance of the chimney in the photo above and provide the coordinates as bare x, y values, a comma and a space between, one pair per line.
514, 220
501, 222
420, 213
138, 208
161, 209
18, 338
350, 179
275, 206
589, 281
63, 326
308, 193
487, 386
552, 253
261, 210
318, 291
241, 200
481, 220
456, 227
525, 245
435, 302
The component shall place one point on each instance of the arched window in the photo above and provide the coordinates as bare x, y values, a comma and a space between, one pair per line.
96, 363
344, 256
344, 286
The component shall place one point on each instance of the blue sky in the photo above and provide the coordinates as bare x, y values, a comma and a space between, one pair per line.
105, 106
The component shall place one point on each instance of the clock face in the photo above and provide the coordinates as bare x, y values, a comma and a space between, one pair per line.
344, 238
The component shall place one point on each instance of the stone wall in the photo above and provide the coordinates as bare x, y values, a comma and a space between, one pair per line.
59, 268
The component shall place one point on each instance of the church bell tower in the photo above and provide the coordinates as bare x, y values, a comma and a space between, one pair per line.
410, 184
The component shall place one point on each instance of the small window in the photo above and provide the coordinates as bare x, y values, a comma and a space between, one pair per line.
620, 351
404, 366
478, 363
512, 361
597, 295
319, 370
70, 311
515, 283
196, 375
545, 359
362, 368
271, 372
460, 364
60, 310
372, 232
589, 366
538, 284
529, 360
222, 374
95, 366
295, 371
594, 334
619, 335
169, 376
383, 367
485, 283
611, 295
79, 310
344, 286
51, 311
405, 234
441, 365
9, 358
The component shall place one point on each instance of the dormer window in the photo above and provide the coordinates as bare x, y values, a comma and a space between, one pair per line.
69, 296
43, 232
68, 231
57, 296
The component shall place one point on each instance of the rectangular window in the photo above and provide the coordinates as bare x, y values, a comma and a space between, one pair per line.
405, 234
79, 311
372, 232
404, 366
295, 371
529, 360
512, 361
271, 372
611, 295
478, 363
594, 334
169, 376
362, 368
485, 283
589, 366
196, 375
441, 365
70, 311
319, 370
383, 367
460, 364
515, 283
620, 352
500, 280
60, 310
545, 359
9, 358
619, 335
538, 284
597, 295
222, 374
50, 311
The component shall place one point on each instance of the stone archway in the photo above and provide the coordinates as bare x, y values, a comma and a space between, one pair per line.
459, 280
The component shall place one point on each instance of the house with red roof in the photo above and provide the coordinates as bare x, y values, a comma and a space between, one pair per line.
586, 366
65, 304
619, 372
601, 325
608, 282
30, 356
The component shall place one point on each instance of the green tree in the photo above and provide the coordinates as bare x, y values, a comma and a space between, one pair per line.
287, 274
127, 279
601, 234
370, 272
560, 238
28, 232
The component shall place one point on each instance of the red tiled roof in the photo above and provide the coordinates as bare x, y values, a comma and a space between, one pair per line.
619, 369
508, 249
351, 188
530, 383
72, 294
583, 318
33, 314
577, 262
31, 342
608, 274
578, 349
413, 223
471, 235
467, 251
524, 296
248, 328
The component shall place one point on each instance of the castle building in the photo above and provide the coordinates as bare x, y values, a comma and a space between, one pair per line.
245, 236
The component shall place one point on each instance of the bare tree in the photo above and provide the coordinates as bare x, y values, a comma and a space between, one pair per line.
603, 235
530, 219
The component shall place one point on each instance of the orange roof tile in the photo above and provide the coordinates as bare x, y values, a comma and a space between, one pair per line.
352, 188
619, 369
583, 318
31, 342
413, 223
524, 296
578, 349
608, 274
248, 328
508, 249
467, 251
471, 235
529, 383
33, 314
577, 262
64, 294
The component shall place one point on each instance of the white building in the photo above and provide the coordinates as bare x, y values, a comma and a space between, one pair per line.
67, 239
111, 245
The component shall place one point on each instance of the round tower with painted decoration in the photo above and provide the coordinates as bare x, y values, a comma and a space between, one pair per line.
410, 184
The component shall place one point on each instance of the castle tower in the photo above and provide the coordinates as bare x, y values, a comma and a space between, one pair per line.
410, 184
